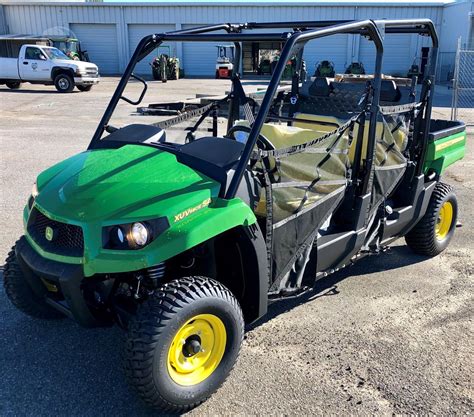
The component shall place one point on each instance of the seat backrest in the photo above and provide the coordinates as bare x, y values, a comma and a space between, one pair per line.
399, 136
283, 136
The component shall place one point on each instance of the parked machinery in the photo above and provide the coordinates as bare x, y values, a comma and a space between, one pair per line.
356, 68
325, 68
164, 67
225, 61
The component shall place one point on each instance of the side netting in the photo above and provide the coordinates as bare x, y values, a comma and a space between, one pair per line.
303, 185
393, 135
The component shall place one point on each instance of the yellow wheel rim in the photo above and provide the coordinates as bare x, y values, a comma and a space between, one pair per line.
444, 221
197, 349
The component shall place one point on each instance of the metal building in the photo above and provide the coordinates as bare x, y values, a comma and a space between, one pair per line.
111, 31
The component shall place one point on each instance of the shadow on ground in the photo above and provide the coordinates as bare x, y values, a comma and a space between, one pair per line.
396, 257
58, 368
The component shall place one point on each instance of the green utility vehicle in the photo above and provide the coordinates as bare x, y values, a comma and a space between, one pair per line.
184, 241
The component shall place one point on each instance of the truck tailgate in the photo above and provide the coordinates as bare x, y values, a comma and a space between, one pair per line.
9, 69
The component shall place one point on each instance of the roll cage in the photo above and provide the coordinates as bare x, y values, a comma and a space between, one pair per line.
303, 31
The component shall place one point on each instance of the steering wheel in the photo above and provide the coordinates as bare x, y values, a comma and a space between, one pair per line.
263, 143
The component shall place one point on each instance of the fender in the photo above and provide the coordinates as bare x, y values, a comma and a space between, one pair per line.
57, 70
185, 233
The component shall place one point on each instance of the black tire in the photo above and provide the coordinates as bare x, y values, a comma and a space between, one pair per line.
84, 87
20, 293
159, 320
15, 85
424, 238
64, 83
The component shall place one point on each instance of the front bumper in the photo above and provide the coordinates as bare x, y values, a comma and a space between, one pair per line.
67, 277
86, 80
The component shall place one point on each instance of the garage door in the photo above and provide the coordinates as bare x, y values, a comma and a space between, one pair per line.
100, 42
332, 48
199, 58
397, 57
137, 32
471, 38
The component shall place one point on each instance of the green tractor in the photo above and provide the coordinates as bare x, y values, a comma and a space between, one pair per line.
184, 244
164, 67
70, 47
325, 69
356, 68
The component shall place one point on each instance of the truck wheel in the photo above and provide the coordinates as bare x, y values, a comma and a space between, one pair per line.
183, 343
15, 85
434, 231
84, 87
64, 83
20, 293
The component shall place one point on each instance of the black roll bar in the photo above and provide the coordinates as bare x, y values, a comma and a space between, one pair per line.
414, 26
304, 31
145, 46
367, 26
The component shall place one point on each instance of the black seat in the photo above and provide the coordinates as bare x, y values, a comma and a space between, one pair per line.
213, 157
135, 133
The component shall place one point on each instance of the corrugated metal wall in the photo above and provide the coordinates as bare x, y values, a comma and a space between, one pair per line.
3, 22
42, 19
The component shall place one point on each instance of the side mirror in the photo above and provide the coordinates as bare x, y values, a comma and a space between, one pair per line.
136, 102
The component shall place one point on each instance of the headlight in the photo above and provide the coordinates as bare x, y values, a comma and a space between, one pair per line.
133, 235
139, 234
34, 191
34, 194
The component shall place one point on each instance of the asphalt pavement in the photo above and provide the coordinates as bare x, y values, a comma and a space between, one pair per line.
391, 335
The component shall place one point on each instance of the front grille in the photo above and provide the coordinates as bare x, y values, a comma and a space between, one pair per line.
67, 239
91, 71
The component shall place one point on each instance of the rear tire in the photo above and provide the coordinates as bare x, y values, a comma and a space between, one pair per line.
183, 343
64, 83
20, 293
13, 85
84, 87
436, 228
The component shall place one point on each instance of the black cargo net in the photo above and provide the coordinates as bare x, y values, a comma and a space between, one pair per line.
394, 134
303, 184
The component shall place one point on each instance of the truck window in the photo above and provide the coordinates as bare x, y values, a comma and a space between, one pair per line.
34, 54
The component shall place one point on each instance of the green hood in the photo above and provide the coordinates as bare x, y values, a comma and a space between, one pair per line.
116, 185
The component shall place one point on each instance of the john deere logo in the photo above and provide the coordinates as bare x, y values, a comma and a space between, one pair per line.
49, 233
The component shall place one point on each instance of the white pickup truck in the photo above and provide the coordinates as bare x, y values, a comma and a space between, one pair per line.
40, 64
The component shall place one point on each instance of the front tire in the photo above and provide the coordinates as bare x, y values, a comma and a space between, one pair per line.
64, 83
183, 343
15, 85
434, 231
84, 87
20, 293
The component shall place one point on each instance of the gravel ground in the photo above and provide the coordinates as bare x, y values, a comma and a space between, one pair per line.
392, 334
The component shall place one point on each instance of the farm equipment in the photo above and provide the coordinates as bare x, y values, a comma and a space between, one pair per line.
225, 61
325, 69
356, 68
164, 67
182, 244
